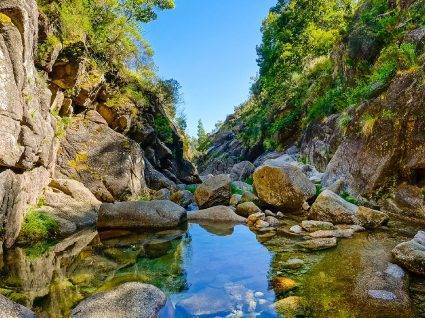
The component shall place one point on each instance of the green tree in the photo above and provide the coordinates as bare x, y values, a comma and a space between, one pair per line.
203, 142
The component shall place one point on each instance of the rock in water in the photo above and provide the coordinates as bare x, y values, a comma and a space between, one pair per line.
284, 186
319, 243
218, 213
214, 191
312, 226
371, 219
157, 214
130, 300
331, 207
10, 309
411, 254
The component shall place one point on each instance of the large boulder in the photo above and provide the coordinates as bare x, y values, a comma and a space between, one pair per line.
214, 191
70, 200
183, 198
130, 300
283, 186
411, 254
369, 218
10, 309
152, 215
242, 171
331, 207
87, 152
216, 214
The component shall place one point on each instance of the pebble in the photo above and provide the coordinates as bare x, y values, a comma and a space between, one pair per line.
382, 294
296, 229
258, 294
293, 263
395, 271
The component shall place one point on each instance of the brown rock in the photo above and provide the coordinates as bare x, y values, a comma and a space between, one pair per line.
247, 208
217, 214
214, 191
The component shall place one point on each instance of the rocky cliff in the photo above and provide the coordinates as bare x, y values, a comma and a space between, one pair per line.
68, 140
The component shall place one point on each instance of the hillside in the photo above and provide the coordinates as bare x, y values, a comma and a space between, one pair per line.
342, 85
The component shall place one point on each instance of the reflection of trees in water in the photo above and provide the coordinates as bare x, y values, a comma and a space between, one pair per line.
79, 266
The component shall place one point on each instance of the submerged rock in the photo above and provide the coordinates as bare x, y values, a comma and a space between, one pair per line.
411, 254
157, 214
331, 207
293, 263
319, 243
216, 214
214, 191
283, 284
284, 186
10, 309
289, 306
130, 300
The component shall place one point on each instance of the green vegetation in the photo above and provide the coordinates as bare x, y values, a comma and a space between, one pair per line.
191, 188
203, 141
324, 57
37, 226
163, 129
348, 197
235, 190
38, 249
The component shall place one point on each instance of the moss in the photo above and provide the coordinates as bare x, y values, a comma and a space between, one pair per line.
47, 47
191, 188
79, 163
62, 124
348, 197
236, 190
37, 226
39, 249
368, 122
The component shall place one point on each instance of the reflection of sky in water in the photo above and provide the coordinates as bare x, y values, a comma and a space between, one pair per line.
224, 273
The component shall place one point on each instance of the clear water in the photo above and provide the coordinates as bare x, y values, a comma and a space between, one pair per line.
216, 271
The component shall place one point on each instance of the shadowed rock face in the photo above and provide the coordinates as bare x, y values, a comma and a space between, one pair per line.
109, 164
393, 148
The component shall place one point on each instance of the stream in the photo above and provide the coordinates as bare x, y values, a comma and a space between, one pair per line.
214, 270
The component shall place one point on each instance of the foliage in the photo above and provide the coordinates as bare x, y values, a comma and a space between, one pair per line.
203, 141
348, 197
235, 189
38, 249
323, 57
37, 226
162, 127
191, 188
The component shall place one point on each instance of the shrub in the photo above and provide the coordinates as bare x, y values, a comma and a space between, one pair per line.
348, 197
191, 188
162, 127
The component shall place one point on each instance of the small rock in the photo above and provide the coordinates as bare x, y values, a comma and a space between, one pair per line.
289, 306
183, 198
258, 294
262, 301
269, 213
280, 214
319, 243
247, 208
254, 218
296, 229
163, 194
235, 199
306, 206
293, 263
249, 197
273, 221
395, 271
259, 224
382, 294
283, 284
312, 226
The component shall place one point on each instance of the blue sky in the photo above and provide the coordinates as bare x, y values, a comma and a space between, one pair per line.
209, 47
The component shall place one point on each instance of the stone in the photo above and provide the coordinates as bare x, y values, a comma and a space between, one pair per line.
216, 214
260, 224
163, 194
152, 215
411, 254
395, 271
382, 295
214, 191
254, 218
296, 229
319, 243
332, 208
305, 206
235, 199
345, 233
371, 219
407, 201
293, 263
247, 208
242, 171
10, 309
283, 284
206, 303
312, 225
248, 196
69, 200
288, 306
283, 186
272, 221
156, 180
269, 213
86, 154
130, 300
241, 186
183, 198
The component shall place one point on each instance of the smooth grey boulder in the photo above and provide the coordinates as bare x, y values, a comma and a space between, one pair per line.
154, 215
411, 254
216, 214
242, 171
10, 309
214, 191
331, 207
130, 300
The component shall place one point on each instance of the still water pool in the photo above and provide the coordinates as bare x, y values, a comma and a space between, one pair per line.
219, 271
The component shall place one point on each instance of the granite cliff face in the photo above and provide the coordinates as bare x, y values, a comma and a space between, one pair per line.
56, 125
